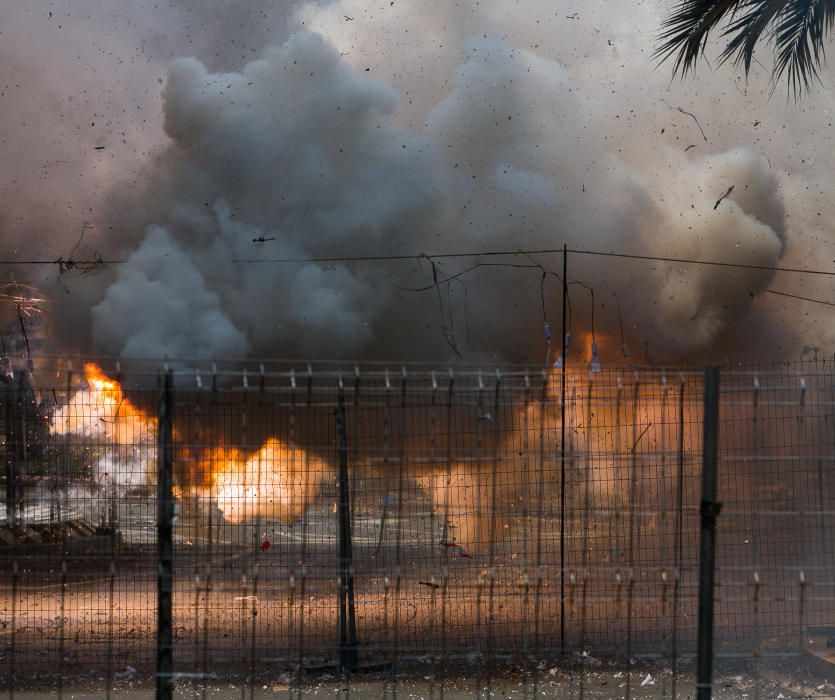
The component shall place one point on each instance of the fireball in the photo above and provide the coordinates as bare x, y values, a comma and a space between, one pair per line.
278, 482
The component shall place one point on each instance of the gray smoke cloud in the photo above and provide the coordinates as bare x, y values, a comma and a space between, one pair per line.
399, 134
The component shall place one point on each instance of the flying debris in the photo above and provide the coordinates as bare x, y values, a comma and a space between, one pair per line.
724, 196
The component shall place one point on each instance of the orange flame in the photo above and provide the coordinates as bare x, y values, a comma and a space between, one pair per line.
278, 481
124, 433
102, 410
97, 379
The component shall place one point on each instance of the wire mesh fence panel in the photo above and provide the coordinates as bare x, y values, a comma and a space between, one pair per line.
482, 527
78, 580
412, 521
255, 571
774, 558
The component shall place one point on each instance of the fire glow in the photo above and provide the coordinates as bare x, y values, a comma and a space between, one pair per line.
102, 410
123, 434
277, 481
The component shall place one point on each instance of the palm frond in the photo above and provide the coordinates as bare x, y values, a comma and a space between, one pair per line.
799, 36
798, 29
686, 30
747, 29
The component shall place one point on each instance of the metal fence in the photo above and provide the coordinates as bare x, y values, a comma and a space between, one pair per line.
412, 522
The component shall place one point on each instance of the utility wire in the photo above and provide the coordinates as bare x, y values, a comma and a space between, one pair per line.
545, 271
795, 296
689, 261
69, 264
85, 265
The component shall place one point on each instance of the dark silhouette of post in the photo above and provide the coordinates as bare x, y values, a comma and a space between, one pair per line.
707, 551
23, 434
165, 540
562, 446
348, 654
12, 452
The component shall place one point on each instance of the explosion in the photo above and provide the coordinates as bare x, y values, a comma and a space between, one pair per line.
500, 157
101, 409
608, 417
124, 436
278, 482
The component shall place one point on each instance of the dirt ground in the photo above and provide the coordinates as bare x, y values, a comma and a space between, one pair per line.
777, 679
226, 621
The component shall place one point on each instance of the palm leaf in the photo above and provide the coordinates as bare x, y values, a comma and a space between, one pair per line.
798, 29
686, 30
799, 39
748, 28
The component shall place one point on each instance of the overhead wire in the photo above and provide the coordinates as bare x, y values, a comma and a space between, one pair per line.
66, 265
439, 256
797, 296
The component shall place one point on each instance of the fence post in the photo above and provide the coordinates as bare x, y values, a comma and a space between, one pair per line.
348, 654
165, 544
10, 398
562, 445
707, 551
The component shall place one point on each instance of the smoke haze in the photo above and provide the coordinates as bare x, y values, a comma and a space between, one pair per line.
236, 135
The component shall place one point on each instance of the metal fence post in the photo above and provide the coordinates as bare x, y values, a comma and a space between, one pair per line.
562, 445
348, 653
165, 527
10, 399
707, 551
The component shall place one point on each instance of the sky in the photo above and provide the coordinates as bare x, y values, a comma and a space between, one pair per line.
195, 142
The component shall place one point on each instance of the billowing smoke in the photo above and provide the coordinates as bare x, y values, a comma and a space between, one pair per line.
377, 129
161, 301
297, 157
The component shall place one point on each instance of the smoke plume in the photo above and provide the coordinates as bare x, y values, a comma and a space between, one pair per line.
359, 128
